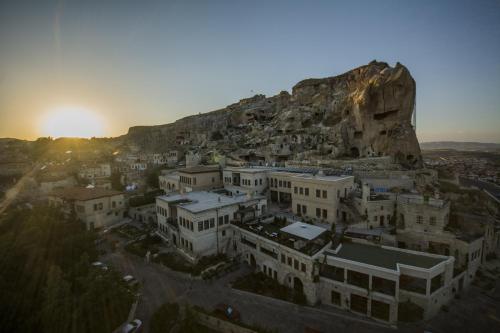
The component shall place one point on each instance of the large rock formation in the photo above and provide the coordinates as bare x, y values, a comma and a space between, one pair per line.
365, 112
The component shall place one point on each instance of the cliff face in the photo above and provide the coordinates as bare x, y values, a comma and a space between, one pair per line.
364, 112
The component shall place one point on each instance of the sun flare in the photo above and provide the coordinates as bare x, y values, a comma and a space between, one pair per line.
73, 122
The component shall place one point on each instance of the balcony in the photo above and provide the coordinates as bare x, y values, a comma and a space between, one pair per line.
173, 222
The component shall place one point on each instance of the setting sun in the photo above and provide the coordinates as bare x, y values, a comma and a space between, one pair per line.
72, 122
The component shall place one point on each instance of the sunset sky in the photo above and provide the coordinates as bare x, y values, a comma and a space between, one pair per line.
127, 63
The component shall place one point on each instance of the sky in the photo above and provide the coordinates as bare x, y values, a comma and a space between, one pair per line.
152, 62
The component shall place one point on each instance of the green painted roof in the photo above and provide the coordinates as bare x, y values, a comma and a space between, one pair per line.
384, 257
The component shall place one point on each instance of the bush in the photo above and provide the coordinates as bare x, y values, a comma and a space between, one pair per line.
261, 284
164, 318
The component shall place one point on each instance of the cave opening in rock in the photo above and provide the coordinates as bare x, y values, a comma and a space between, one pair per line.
354, 152
380, 116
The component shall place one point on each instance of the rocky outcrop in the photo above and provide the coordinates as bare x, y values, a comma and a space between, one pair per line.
365, 112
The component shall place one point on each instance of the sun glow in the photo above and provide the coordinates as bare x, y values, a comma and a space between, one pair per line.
73, 122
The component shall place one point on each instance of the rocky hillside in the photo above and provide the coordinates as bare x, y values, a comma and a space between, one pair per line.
362, 113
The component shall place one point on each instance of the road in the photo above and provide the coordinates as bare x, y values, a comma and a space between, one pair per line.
160, 285
474, 312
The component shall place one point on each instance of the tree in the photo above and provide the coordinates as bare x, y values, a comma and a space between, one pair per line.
56, 312
116, 181
47, 283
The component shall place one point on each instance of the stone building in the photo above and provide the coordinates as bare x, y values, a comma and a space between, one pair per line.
94, 171
197, 223
169, 182
374, 281
245, 180
96, 207
199, 178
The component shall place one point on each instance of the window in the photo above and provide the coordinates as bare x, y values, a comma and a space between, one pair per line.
325, 214
318, 193
212, 222
318, 212
221, 220
295, 189
226, 219
301, 191
206, 224
383, 286
432, 220
280, 183
200, 226
304, 209
296, 264
358, 279
298, 209
283, 258
191, 225
303, 267
256, 182
306, 191
289, 184
223, 233
375, 218
113, 204
338, 193
289, 261
336, 297
420, 219
324, 194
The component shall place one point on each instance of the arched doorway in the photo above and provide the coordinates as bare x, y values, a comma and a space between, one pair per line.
297, 285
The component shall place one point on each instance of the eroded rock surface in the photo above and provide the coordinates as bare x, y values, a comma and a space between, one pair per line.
362, 113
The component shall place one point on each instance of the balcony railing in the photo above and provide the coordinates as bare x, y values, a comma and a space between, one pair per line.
173, 222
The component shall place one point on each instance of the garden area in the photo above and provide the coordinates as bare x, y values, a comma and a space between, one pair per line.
128, 231
207, 267
142, 246
261, 284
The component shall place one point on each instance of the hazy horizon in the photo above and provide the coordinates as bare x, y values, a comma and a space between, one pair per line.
131, 64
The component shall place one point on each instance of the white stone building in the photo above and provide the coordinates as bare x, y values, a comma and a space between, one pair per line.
197, 223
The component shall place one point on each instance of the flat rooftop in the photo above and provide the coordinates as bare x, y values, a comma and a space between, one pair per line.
200, 201
246, 170
303, 230
83, 193
200, 169
384, 257
321, 177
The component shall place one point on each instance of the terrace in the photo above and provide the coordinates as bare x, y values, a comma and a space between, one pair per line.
302, 237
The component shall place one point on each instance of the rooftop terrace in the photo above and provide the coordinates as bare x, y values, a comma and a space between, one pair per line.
308, 239
200, 201
385, 257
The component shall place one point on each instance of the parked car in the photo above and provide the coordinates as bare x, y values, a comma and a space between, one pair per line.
100, 265
130, 280
226, 311
132, 327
